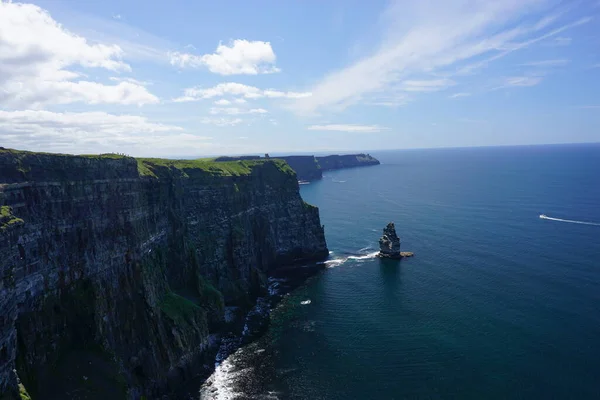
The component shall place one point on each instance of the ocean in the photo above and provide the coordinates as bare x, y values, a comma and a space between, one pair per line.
497, 302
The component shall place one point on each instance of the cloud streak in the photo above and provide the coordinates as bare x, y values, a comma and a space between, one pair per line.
236, 89
347, 128
423, 38
547, 63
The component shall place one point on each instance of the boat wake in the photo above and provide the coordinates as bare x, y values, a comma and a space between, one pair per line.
544, 216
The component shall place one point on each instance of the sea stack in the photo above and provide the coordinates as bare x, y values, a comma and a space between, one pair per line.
389, 244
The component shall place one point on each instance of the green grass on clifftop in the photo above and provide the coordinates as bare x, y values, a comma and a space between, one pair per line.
146, 166
150, 166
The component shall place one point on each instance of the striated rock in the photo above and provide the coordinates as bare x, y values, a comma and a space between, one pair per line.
389, 243
133, 262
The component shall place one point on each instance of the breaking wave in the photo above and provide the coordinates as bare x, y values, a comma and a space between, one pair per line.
569, 220
336, 262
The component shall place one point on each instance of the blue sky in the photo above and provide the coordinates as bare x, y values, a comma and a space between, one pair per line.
186, 78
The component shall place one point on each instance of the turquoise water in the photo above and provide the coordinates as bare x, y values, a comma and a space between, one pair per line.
496, 303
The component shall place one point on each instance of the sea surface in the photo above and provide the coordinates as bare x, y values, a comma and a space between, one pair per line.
497, 303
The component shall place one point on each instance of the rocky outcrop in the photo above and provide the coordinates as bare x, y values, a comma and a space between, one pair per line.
389, 244
118, 271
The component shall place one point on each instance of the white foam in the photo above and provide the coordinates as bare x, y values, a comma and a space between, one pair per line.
364, 257
336, 262
305, 302
569, 221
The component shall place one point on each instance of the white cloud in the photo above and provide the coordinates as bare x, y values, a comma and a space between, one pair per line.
423, 38
222, 102
130, 80
221, 121
547, 63
427, 85
239, 101
35, 54
461, 94
117, 16
236, 111
347, 128
235, 89
240, 57
93, 132
36, 93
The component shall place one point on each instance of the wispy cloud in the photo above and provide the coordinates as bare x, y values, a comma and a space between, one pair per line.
521, 81
241, 57
457, 95
425, 37
547, 63
236, 89
426, 85
236, 111
347, 128
221, 122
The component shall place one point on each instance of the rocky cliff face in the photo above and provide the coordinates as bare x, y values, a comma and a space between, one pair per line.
124, 267
389, 243
346, 161
311, 168
307, 168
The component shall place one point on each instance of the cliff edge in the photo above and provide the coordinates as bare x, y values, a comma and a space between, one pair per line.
118, 272
310, 168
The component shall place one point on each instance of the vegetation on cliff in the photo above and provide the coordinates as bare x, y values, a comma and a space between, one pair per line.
148, 166
178, 308
7, 218
140, 257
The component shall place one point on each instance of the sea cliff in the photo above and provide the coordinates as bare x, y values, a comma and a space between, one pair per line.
116, 274
311, 168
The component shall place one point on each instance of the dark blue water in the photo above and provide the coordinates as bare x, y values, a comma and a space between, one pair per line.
496, 303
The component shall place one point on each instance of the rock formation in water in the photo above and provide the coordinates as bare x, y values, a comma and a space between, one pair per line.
124, 272
389, 244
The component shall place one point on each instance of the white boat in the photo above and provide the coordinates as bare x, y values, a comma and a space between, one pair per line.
543, 216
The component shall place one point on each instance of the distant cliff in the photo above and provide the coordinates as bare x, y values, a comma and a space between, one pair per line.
346, 161
118, 275
311, 168
307, 168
